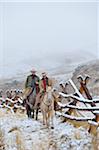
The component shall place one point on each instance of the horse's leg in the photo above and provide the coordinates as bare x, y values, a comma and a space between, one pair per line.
33, 113
48, 118
37, 114
43, 118
52, 124
55, 106
28, 111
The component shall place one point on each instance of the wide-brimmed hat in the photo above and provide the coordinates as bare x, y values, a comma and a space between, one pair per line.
44, 73
33, 71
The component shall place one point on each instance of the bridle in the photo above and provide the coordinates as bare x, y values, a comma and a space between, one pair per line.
47, 104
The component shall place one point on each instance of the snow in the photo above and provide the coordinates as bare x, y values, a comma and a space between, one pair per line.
33, 135
75, 88
74, 118
8, 107
96, 112
20, 100
1, 106
93, 123
80, 76
10, 100
79, 108
84, 100
2, 99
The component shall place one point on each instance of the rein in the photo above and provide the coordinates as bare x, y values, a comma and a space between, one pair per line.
46, 104
30, 93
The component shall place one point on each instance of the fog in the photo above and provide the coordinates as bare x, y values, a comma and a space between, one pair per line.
46, 35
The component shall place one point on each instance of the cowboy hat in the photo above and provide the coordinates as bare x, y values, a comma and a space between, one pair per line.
44, 73
33, 71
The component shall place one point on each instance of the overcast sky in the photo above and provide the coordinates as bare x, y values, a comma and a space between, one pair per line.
46, 34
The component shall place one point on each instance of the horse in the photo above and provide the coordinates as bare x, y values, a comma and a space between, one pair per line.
47, 106
33, 101
30, 101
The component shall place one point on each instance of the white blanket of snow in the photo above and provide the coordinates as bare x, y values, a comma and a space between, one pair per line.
35, 136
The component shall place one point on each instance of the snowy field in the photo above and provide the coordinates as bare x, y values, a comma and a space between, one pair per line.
20, 133
17, 132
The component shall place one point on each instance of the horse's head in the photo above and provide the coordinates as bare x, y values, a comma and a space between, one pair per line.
49, 88
56, 95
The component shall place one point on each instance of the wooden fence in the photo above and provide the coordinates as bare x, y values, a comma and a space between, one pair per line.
90, 105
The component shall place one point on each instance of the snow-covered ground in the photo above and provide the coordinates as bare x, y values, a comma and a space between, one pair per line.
21, 133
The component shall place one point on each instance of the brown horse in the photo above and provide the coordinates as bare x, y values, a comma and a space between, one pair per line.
33, 104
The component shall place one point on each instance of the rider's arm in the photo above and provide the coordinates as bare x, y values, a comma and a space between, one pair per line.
28, 82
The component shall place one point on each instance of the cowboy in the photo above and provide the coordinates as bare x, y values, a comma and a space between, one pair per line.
45, 81
32, 84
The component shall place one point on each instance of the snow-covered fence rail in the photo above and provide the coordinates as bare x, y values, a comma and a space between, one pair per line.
78, 108
77, 97
11, 104
74, 117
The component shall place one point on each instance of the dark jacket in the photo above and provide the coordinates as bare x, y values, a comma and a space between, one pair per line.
31, 81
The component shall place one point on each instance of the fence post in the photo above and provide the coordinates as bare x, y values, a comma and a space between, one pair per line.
97, 117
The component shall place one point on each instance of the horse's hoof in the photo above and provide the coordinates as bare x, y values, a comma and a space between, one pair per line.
52, 127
